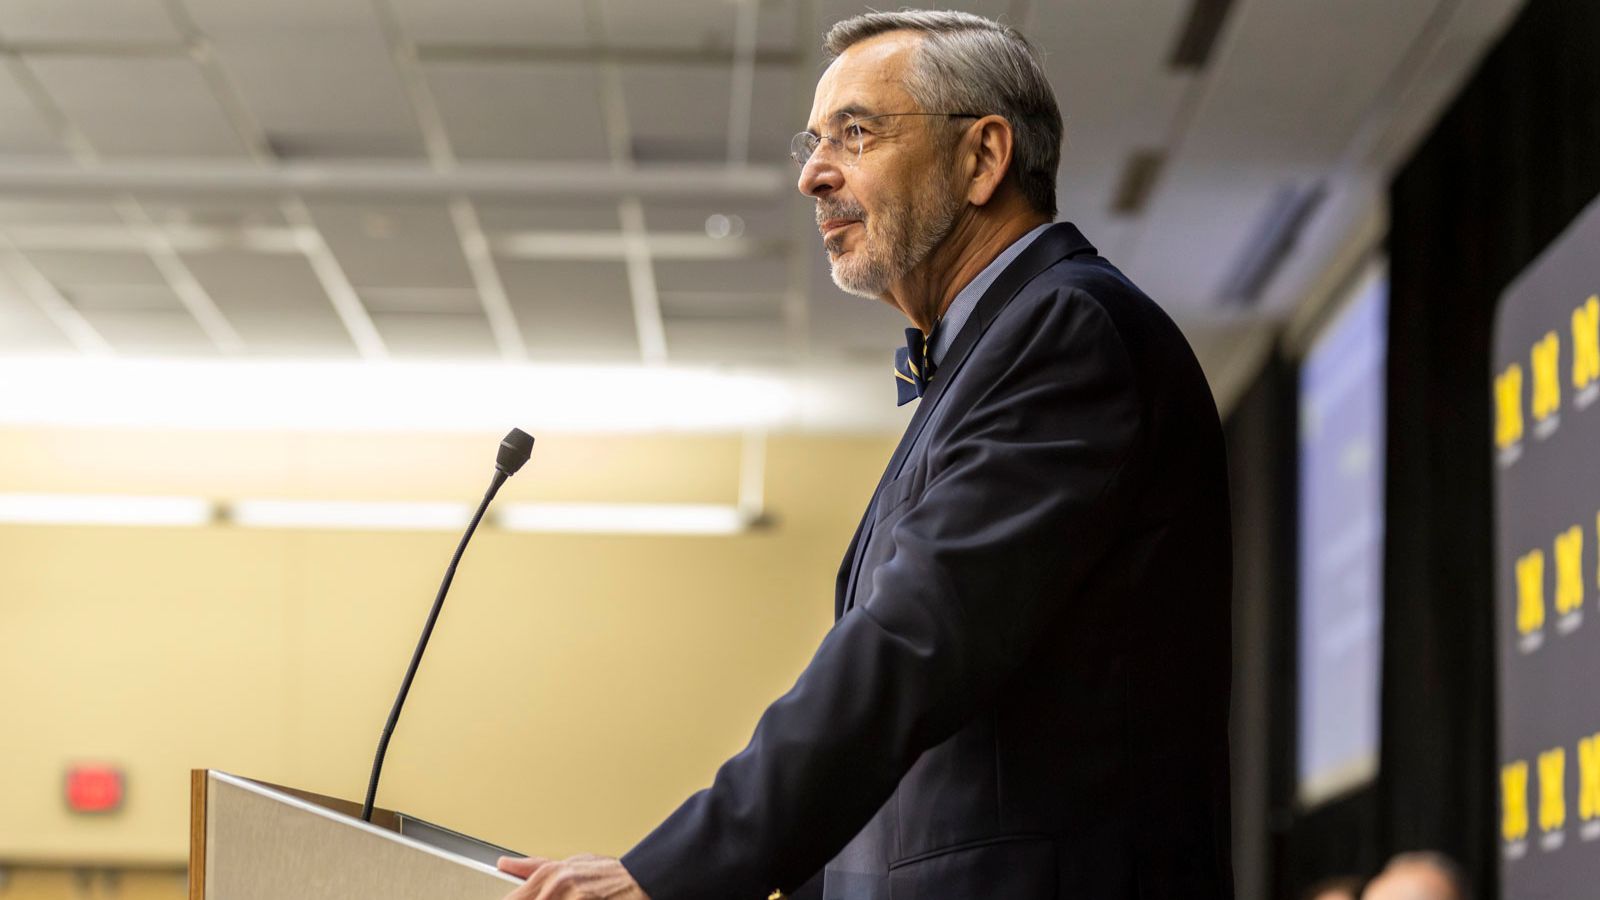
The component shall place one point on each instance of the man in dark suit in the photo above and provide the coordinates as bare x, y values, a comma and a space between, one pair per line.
1025, 694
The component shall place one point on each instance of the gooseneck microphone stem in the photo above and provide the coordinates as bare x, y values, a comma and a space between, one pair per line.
422, 644
514, 451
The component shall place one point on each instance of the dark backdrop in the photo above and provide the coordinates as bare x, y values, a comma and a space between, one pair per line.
1509, 164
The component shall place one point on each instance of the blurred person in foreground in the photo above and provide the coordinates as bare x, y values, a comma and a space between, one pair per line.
1419, 876
1344, 888
1025, 692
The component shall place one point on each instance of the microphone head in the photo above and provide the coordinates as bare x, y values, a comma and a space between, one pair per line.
514, 451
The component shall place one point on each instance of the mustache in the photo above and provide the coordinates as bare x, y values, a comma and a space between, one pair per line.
839, 210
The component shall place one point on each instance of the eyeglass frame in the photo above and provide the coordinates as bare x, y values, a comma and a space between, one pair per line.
816, 140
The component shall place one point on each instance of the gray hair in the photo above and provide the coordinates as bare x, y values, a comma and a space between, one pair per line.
967, 63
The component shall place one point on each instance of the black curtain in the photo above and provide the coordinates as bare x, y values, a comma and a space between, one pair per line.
1512, 160
1260, 434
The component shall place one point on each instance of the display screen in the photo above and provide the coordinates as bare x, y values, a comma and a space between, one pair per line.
1341, 545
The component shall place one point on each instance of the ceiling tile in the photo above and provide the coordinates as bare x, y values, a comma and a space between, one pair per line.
23, 328
780, 104
1199, 224
1272, 98
274, 302
700, 24
722, 305
44, 211
23, 132
545, 23
678, 113
434, 301
436, 336
151, 332
86, 20
569, 215
123, 297
326, 95
66, 268
139, 107
573, 311
761, 274
521, 110
764, 221
777, 26
214, 210
394, 245
742, 341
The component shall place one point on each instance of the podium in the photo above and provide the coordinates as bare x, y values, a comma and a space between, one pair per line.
249, 840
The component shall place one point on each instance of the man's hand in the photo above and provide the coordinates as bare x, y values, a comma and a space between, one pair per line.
574, 878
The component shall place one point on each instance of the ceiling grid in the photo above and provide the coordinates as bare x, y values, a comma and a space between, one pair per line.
604, 180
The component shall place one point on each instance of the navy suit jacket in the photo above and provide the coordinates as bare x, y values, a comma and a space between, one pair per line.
1025, 693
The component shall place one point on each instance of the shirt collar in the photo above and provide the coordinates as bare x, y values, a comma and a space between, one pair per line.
961, 307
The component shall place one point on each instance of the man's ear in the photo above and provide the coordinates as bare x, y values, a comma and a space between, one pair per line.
988, 159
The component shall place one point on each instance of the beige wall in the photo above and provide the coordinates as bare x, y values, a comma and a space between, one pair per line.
576, 690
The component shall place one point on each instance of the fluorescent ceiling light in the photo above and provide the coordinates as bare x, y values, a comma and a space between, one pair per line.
623, 518
359, 515
354, 515
388, 396
97, 509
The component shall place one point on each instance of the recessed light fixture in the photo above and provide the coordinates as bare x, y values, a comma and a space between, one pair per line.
104, 509
724, 226
388, 396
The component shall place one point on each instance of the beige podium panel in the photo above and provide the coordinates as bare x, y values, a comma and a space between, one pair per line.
254, 841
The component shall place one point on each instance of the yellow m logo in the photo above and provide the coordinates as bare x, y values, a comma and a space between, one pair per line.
1589, 777
1546, 377
1530, 592
1586, 343
1552, 784
1514, 800
1508, 406
1569, 570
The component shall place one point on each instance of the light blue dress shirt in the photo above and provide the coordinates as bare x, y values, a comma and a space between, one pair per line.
961, 307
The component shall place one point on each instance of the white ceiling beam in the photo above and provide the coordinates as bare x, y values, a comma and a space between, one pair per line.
181, 238
511, 53
97, 49
804, 240
331, 275
324, 264
569, 245
486, 278
50, 301
463, 215
602, 245
642, 284
550, 180
651, 328
195, 298
744, 82
150, 238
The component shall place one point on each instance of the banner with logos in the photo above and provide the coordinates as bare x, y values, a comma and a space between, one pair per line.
1545, 389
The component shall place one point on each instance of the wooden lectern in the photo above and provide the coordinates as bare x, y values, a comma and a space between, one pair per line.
249, 840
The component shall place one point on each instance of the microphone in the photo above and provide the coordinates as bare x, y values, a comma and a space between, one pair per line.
514, 451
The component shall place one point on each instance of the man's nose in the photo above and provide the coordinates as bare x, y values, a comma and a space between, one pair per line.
819, 176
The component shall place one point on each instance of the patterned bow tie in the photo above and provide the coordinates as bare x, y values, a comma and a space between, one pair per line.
913, 368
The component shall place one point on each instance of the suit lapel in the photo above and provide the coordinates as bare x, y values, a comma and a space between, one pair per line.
1058, 242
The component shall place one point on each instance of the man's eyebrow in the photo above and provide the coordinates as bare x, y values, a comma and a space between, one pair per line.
850, 111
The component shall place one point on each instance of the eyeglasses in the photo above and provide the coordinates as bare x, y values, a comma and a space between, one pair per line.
855, 136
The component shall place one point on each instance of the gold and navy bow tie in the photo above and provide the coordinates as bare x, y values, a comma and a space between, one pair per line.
913, 368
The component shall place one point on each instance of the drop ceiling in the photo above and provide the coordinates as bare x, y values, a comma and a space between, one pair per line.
606, 181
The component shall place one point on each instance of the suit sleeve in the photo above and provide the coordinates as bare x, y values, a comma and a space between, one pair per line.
1019, 506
